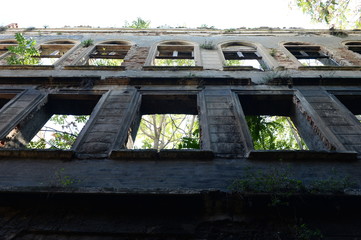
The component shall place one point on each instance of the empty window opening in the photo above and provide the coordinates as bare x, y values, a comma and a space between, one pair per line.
272, 122
310, 55
5, 44
166, 122
108, 54
274, 133
168, 131
174, 54
5, 98
354, 46
238, 54
55, 125
352, 103
52, 51
59, 132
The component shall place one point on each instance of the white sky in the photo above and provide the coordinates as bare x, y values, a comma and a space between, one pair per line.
189, 13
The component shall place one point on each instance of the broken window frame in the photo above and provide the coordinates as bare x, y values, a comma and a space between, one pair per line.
354, 46
4, 44
56, 104
174, 50
96, 52
280, 104
56, 49
349, 100
302, 51
242, 51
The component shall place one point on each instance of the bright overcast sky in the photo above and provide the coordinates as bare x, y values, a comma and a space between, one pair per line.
188, 13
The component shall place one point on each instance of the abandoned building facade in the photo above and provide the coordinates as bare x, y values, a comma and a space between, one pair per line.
104, 188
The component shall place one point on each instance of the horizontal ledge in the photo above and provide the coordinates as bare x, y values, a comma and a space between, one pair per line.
177, 81
336, 68
96, 68
166, 154
301, 155
36, 154
316, 81
27, 67
172, 68
240, 68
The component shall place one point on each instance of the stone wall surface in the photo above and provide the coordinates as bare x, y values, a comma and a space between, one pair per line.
99, 189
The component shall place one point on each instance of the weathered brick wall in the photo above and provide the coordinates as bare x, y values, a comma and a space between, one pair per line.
284, 60
135, 58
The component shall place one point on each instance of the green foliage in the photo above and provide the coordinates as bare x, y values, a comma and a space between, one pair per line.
105, 62
63, 180
190, 142
39, 144
304, 232
24, 52
274, 133
58, 139
278, 181
205, 26
138, 24
273, 52
341, 13
174, 62
229, 30
87, 43
332, 184
209, 45
168, 131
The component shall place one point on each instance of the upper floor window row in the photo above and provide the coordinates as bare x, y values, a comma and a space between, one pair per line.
178, 53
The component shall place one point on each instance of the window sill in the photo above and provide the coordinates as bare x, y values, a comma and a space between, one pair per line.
172, 68
168, 154
301, 155
97, 68
334, 68
241, 68
27, 67
36, 154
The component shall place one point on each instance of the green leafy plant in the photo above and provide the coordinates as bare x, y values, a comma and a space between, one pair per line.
63, 180
87, 43
273, 52
335, 183
274, 133
209, 45
205, 26
139, 23
304, 232
24, 52
59, 139
341, 13
229, 30
190, 142
280, 181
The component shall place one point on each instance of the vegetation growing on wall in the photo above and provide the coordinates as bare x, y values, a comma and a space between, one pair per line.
139, 23
24, 52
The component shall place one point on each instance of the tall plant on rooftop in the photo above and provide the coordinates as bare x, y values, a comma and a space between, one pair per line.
24, 52
138, 24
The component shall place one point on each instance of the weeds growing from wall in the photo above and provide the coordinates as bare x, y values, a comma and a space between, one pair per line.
280, 183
